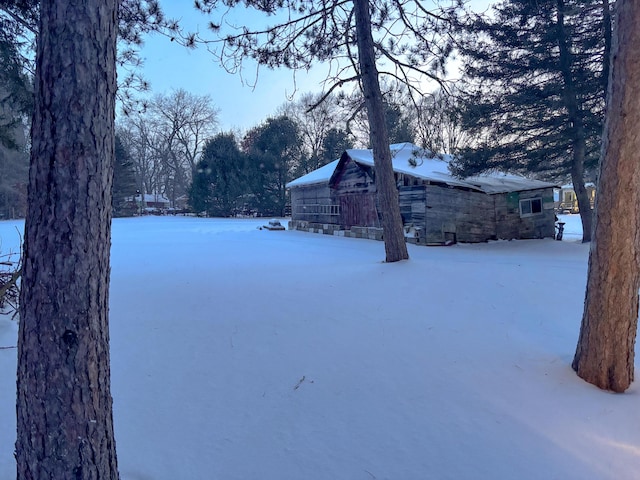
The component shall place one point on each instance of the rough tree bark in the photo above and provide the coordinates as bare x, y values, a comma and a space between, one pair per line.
392, 231
64, 405
605, 351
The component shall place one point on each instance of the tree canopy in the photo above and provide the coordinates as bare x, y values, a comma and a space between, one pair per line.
410, 38
219, 185
19, 28
272, 149
536, 75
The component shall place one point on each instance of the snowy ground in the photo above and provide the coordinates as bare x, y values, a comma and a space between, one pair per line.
240, 353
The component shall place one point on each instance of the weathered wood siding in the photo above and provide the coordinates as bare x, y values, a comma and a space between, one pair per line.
358, 210
413, 205
458, 214
509, 222
355, 191
435, 213
314, 203
353, 178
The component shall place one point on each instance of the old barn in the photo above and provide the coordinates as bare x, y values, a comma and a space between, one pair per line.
437, 208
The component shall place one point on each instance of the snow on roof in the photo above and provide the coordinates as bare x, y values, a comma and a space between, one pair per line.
421, 163
322, 174
150, 198
415, 161
499, 182
569, 186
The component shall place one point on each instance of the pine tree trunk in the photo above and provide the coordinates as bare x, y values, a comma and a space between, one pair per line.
582, 196
64, 405
578, 135
605, 351
392, 231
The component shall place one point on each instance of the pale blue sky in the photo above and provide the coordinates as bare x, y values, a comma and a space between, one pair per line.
168, 66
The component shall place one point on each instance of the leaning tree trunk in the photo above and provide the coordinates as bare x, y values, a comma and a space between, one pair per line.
64, 405
392, 231
605, 351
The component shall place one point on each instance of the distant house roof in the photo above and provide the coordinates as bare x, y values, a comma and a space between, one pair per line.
569, 186
150, 198
420, 163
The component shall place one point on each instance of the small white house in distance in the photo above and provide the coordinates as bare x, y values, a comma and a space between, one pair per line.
437, 208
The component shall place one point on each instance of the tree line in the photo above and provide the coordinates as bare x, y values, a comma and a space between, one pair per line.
530, 100
173, 148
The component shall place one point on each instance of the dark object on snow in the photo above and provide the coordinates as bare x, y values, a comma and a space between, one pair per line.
560, 227
274, 225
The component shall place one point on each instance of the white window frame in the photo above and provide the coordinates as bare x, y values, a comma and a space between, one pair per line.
529, 202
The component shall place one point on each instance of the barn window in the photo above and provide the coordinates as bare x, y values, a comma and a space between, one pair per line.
530, 206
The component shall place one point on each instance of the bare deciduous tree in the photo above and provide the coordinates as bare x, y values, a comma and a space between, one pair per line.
189, 121
138, 138
438, 124
166, 141
316, 121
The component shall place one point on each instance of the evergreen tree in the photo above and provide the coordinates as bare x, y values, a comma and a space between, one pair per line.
14, 158
200, 196
64, 406
318, 118
535, 101
399, 124
14, 169
273, 150
124, 180
16, 104
19, 29
16, 100
219, 185
334, 143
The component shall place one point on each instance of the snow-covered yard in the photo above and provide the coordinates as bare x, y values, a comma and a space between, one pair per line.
240, 353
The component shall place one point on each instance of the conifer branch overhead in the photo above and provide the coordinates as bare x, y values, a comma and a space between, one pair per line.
408, 34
